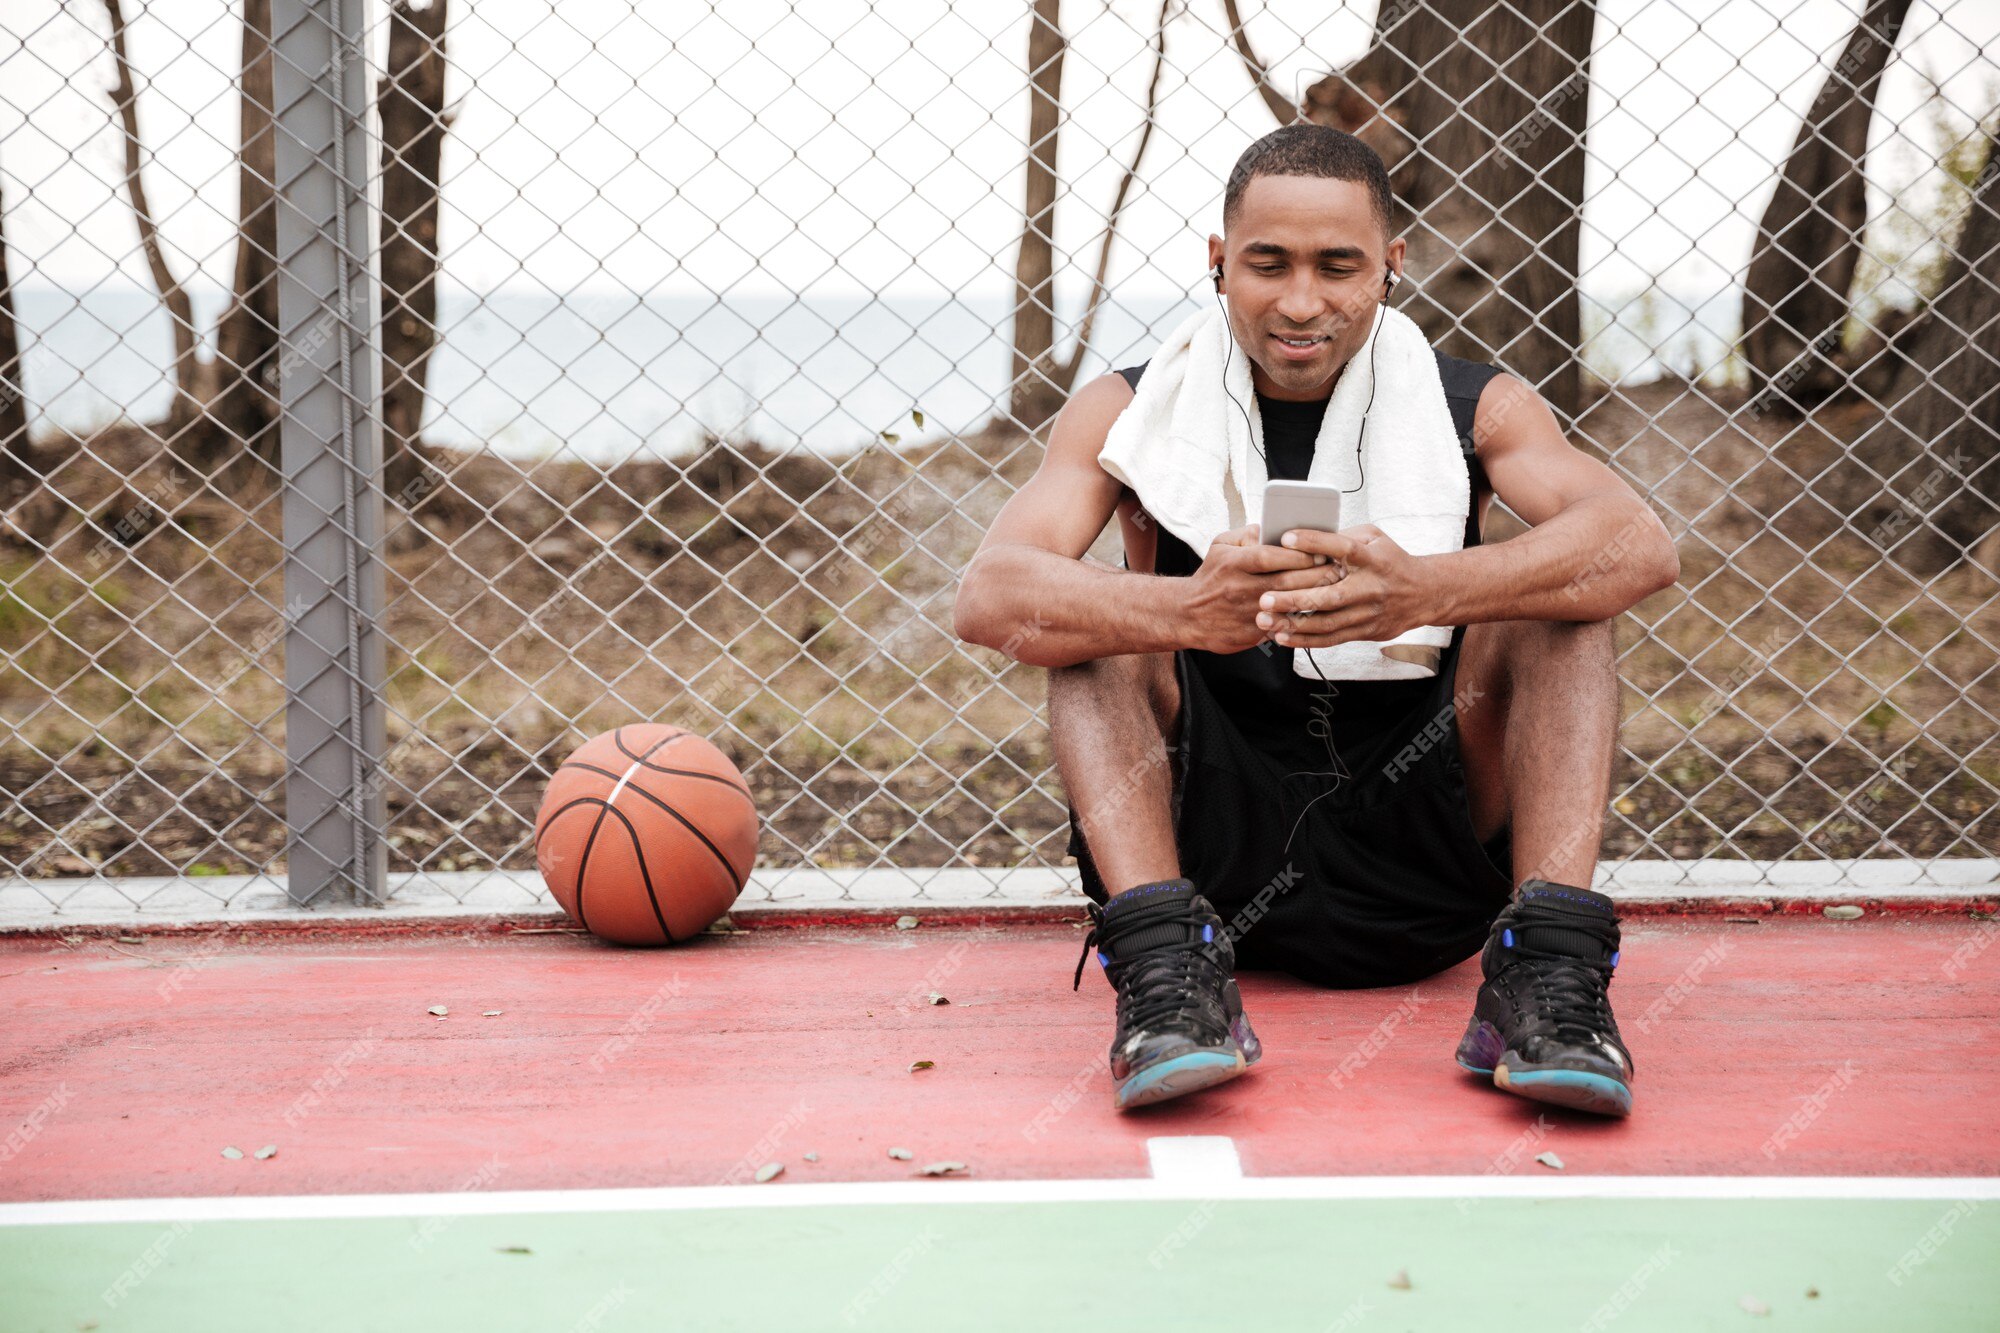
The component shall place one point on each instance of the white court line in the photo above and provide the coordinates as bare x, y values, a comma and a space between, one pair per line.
1195, 1158
467, 1203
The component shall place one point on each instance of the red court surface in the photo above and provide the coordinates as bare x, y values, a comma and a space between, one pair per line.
1794, 1046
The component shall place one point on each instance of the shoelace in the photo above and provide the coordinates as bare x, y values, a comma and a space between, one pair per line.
1167, 981
1571, 994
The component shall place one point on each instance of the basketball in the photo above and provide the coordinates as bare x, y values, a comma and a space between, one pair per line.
646, 834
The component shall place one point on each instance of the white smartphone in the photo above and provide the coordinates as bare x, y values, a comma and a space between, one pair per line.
1298, 504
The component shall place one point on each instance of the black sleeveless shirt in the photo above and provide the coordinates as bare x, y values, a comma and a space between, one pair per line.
1271, 704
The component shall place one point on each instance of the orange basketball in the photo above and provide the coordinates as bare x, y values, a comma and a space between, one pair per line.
646, 834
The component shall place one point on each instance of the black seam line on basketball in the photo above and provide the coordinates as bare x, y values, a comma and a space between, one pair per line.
656, 746
639, 855
641, 791
583, 863
736, 787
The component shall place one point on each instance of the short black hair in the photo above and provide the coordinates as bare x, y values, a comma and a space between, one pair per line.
1312, 150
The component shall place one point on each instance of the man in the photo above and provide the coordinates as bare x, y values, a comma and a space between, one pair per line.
1358, 833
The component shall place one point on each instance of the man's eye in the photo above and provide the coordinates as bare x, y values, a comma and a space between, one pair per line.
1266, 268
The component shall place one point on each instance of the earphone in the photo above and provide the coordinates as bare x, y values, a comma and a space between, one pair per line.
1322, 723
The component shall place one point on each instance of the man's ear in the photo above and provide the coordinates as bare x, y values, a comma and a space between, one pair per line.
1214, 255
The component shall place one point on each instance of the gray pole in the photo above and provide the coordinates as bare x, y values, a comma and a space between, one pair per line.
331, 444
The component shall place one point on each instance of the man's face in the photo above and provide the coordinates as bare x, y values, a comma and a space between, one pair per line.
1303, 264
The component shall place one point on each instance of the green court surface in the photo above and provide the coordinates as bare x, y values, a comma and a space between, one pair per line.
1328, 1264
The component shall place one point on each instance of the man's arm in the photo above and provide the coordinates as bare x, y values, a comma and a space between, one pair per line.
1593, 549
1028, 592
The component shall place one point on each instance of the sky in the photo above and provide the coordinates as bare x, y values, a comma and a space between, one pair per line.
839, 147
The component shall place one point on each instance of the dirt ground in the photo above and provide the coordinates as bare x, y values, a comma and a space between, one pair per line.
1797, 695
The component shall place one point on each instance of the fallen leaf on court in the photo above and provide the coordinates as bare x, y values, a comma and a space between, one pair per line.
770, 1171
1752, 1305
1741, 921
512, 1249
232, 1152
906, 923
1812, 1293
915, 1065
936, 998
900, 1154
437, 1009
1550, 1160
812, 1157
131, 939
491, 1013
1401, 1282
267, 1152
941, 1168
1841, 912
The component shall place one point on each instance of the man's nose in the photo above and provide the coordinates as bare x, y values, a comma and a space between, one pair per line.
1301, 303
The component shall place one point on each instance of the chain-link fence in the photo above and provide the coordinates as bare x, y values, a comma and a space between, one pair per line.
397, 396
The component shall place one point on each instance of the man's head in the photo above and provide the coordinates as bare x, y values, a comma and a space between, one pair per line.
1305, 254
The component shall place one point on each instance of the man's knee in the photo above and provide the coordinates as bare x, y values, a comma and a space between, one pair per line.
1090, 685
1511, 654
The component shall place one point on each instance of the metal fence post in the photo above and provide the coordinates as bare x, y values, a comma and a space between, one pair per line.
330, 438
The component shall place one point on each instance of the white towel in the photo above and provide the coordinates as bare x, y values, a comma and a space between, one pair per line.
1187, 452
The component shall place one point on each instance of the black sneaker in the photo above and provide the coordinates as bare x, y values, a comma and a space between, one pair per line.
1542, 1025
1181, 1025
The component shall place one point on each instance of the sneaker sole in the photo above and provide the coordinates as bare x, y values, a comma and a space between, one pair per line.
1577, 1089
1177, 1077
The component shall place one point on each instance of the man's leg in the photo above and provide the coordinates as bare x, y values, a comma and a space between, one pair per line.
1110, 720
1537, 729
1537, 733
1165, 951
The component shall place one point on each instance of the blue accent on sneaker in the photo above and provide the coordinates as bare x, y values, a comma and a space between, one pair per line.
1147, 890
1507, 939
1614, 957
1207, 934
1587, 898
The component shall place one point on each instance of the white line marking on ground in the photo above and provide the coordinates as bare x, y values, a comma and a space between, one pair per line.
1194, 1158
465, 1203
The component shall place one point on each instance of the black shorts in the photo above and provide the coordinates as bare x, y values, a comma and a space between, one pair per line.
1375, 879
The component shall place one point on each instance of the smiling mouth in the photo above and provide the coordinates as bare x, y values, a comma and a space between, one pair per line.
1301, 344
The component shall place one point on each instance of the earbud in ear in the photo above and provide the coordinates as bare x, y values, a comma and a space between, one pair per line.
1216, 274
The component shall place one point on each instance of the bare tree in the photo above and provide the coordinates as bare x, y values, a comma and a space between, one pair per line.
1795, 295
243, 404
1938, 438
1042, 380
1497, 96
16, 476
180, 311
410, 100
1035, 390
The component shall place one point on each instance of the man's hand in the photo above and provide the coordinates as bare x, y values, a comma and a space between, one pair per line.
1371, 590
1239, 569
1222, 601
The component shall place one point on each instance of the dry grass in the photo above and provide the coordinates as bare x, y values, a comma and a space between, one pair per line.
798, 613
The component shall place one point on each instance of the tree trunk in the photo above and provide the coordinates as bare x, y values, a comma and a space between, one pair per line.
244, 407
1067, 370
1498, 98
1036, 394
17, 477
1795, 295
411, 104
180, 312
1939, 442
